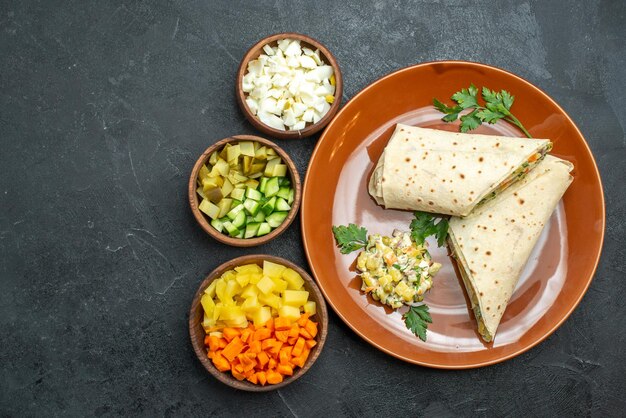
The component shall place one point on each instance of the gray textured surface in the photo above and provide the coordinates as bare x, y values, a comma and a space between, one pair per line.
104, 106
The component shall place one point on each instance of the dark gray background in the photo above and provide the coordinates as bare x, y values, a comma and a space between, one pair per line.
104, 107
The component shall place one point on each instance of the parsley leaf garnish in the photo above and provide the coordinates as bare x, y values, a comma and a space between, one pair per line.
350, 238
424, 226
497, 107
417, 319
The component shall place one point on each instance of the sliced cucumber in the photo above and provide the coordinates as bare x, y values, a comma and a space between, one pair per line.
291, 196
217, 224
249, 219
240, 220
235, 211
253, 194
263, 184
272, 187
268, 207
283, 192
284, 182
282, 205
251, 229
260, 217
252, 206
276, 218
240, 234
231, 229
264, 229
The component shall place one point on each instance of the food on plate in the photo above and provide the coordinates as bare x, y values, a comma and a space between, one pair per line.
394, 270
257, 322
492, 244
497, 107
245, 190
449, 172
289, 85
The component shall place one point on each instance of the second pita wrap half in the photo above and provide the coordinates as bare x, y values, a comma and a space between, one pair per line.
492, 245
450, 172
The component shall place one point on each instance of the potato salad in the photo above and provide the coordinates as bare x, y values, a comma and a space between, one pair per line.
395, 270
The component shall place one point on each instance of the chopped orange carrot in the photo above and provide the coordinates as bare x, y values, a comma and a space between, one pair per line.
262, 377
275, 349
237, 368
272, 364
233, 349
262, 333
273, 377
263, 358
298, 347
268, 343
282, 335
294, 331
230, 333
213, 342
284, 356
285, 369
245, 334
311, 328
220, 362
255, 347
303, 318
305, 334
250, 366
263, 354
244, 360
237, 374
282, 324
253, 378
301, 359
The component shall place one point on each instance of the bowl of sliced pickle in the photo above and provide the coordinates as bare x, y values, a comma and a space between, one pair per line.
244, 190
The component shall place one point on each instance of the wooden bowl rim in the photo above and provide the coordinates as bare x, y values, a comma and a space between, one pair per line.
244, 242
309, 130
198, 343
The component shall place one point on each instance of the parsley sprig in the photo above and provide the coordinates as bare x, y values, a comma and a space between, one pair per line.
350, 238
426, 224
417, 319
497, 107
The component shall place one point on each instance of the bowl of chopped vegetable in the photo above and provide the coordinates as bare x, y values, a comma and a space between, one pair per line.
258, 322
244, 190
289, 86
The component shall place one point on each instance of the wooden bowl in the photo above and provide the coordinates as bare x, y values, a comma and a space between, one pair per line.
203, 219
197, 333
311, 128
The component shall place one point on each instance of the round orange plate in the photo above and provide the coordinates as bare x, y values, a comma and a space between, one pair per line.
558, 272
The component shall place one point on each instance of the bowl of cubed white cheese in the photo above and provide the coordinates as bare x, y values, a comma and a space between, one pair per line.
289, 86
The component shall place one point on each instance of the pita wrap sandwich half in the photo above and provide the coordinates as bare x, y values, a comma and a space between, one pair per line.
450, 172
492, 244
